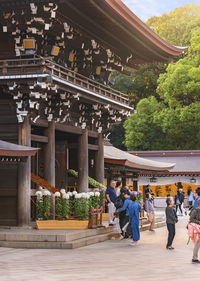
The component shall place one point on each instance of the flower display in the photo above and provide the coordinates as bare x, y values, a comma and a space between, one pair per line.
43, 183
47, 193
97, 194
57, 194
38, 194
66, 196
74, 192
63, 191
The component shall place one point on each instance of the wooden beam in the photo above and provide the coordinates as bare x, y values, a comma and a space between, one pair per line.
65, 128
90, 146
38, 138
68, 129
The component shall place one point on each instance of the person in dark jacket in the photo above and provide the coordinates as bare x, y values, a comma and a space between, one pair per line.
179, 199
171, 219
195, 218
123, 211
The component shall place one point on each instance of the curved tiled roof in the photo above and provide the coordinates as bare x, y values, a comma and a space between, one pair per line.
11, 149
113, 155
115, 26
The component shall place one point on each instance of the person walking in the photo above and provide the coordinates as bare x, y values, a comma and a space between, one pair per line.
124, 210
190, 199
134, 210
149, 208
195, 219
179, 199
111, 197
197, 197
171, 219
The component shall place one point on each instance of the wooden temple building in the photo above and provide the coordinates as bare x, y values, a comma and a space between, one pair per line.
56, 60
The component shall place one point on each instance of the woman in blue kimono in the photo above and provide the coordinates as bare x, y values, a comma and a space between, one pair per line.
134, 210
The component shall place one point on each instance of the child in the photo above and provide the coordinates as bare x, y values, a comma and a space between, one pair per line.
171, 219
117, 229
134, 210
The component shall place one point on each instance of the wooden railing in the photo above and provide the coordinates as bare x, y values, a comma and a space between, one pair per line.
41, 65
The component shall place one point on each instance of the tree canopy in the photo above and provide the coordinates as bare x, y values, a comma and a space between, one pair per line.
176, 27
167, 98
173, 122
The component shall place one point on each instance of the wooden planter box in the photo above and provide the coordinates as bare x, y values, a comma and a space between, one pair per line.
65, 225
105, 216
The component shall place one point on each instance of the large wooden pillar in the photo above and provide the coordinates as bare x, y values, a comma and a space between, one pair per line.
99, 160
24, 177
83, 162
49, 159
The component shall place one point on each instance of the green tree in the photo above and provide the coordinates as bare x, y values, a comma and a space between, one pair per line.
173, 122
142, 133
177, 27
117, 136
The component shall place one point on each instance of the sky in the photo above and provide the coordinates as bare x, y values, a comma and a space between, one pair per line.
145, 9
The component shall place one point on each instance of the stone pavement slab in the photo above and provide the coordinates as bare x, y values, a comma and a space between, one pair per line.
109, 261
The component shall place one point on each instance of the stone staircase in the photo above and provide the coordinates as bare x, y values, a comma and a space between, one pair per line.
15, 237
52, 239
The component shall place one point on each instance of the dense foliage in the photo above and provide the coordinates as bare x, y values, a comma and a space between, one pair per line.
167, 98
172, 122
177, 27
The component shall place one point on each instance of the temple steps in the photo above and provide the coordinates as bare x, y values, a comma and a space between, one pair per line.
61, 239
51, 239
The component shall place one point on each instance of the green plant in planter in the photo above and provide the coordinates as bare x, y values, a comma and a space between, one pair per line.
65, 206
43, 204
58, 205
62, 205
81, 206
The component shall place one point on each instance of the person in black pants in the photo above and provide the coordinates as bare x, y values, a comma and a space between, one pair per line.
179, 200
171, 219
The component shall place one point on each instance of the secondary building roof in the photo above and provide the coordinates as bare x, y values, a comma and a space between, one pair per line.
116, 156
187, 161
11, 149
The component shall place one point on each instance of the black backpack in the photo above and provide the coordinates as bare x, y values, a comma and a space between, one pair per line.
119, 202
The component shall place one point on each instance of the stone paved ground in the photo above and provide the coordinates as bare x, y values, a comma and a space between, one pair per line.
110, 260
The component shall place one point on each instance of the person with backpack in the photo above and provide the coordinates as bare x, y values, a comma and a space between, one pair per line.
121, 205
195, 223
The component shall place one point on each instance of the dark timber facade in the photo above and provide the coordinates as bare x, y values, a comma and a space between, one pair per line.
56, 59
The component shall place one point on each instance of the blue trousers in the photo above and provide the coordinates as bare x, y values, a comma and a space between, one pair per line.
135, 230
